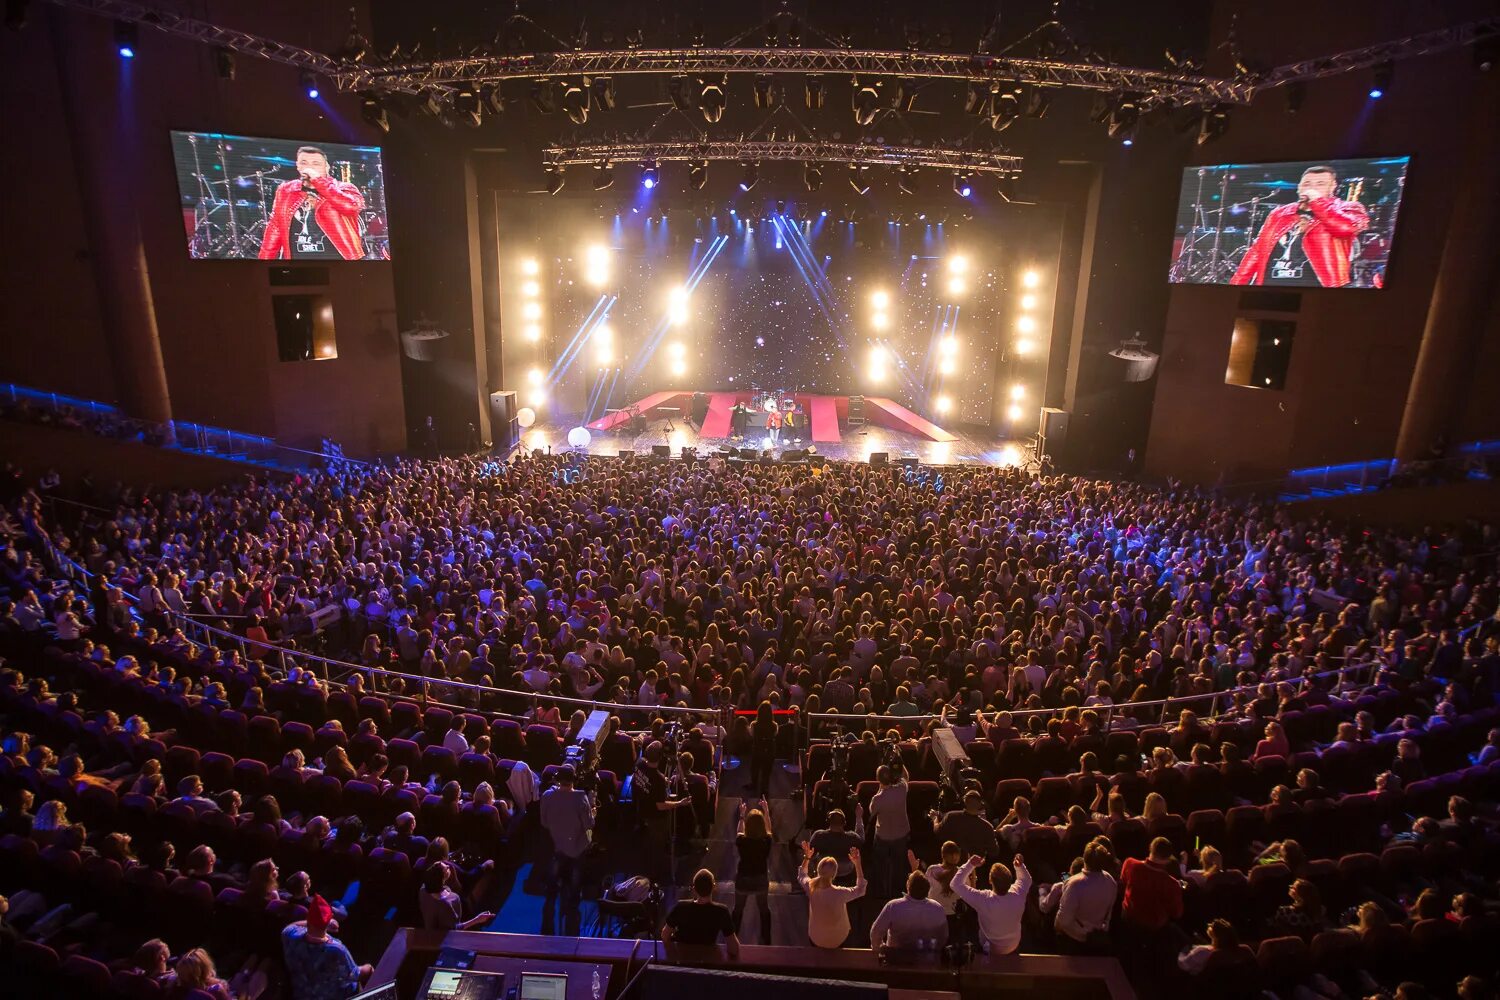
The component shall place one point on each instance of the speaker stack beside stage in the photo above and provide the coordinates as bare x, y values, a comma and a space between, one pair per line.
856, 411
699, 410
503, 427
1054, 430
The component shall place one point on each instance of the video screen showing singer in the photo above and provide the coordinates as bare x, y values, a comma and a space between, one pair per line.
315, 217
1313, 234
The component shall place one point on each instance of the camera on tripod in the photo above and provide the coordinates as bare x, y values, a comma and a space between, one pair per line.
585, 761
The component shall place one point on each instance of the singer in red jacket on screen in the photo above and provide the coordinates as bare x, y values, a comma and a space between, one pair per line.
1316, 232
315, 217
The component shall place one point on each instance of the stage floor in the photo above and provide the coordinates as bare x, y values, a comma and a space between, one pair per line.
970, 448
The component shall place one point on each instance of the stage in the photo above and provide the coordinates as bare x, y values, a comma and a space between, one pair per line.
664, 419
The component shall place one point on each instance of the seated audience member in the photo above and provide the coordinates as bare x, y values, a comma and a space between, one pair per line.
912, 921
318, 965
700, 920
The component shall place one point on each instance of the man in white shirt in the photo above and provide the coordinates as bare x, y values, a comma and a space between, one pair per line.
1001, 906
454, 739
911, 921
1088, 900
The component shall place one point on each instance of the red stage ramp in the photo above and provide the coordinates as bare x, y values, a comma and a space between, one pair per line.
825, 418
716, 424
888, 413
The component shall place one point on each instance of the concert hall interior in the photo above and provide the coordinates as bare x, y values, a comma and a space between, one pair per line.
1046, 434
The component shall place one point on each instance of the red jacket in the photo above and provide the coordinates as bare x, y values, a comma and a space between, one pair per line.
1326, 242
1153, 896
337, 211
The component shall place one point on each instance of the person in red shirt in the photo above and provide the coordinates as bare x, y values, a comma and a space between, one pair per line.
1151, 898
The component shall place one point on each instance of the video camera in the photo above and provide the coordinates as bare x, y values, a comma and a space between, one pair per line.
585, 761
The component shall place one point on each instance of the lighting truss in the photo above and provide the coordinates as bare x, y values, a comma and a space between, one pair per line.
212, 34
445, 73
1373, 55
797, 151
1153, 88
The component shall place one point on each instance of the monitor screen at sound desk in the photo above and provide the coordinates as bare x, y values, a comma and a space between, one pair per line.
543, 986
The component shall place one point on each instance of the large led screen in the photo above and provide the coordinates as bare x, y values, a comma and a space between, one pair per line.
1304, 224
280, 199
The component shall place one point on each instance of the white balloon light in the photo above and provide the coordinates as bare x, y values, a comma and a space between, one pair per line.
579, 437
525, 416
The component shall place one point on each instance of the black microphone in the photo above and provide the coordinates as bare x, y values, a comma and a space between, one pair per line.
307, 186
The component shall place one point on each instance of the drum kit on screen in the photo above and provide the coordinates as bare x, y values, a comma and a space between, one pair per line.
1211, 250
231, 211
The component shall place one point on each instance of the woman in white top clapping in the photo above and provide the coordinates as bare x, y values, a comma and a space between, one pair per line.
828, 904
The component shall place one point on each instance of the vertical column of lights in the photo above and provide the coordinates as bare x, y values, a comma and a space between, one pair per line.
531, 330
677, 316
1026, 347
957, 285
596, 273
880, 321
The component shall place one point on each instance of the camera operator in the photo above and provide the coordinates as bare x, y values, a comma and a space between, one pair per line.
968, 827
655, 808
567, 814
892, 830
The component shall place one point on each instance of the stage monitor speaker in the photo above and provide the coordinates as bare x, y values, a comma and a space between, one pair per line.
749, 453
880, 458
1054, 428
794, 455
816, 461
910, 463
503, 428
661, 451
626, 453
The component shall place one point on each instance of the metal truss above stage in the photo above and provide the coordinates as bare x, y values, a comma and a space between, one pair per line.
809, 151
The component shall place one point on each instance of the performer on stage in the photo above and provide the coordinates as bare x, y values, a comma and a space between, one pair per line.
1316, 232
737, 418
315, 217
773, 424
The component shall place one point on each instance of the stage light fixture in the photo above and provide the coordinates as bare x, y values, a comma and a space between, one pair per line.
977, 99
765, 93
534, 377
948, 345
1485, 52
751, 176
466, 105
942, 404
880, 321
1031, 279
711, 99
531, 311
1028, 302
374, 113
537, 396
677, 306
1026, 324
945, 366
531, 289
555, 179
1024, 346
532, 332
679, 368
865, 102
1381, 79
880, 299
1018, 392
1005, 186
677, 350
906, 180
127, 39
224, 63
1124, 115
906, 95
812, 176
814, 92
957, 286
530, 267
604, 334
1296, 95
308, 81
679, 90
1005, 107
492, 99
544, 97
878, 358
650, 175
604, 176
1013, 413
697, 174
958, 264
1037, 101
963, 186
575, 101
859, 178
1213, 124
602, 92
